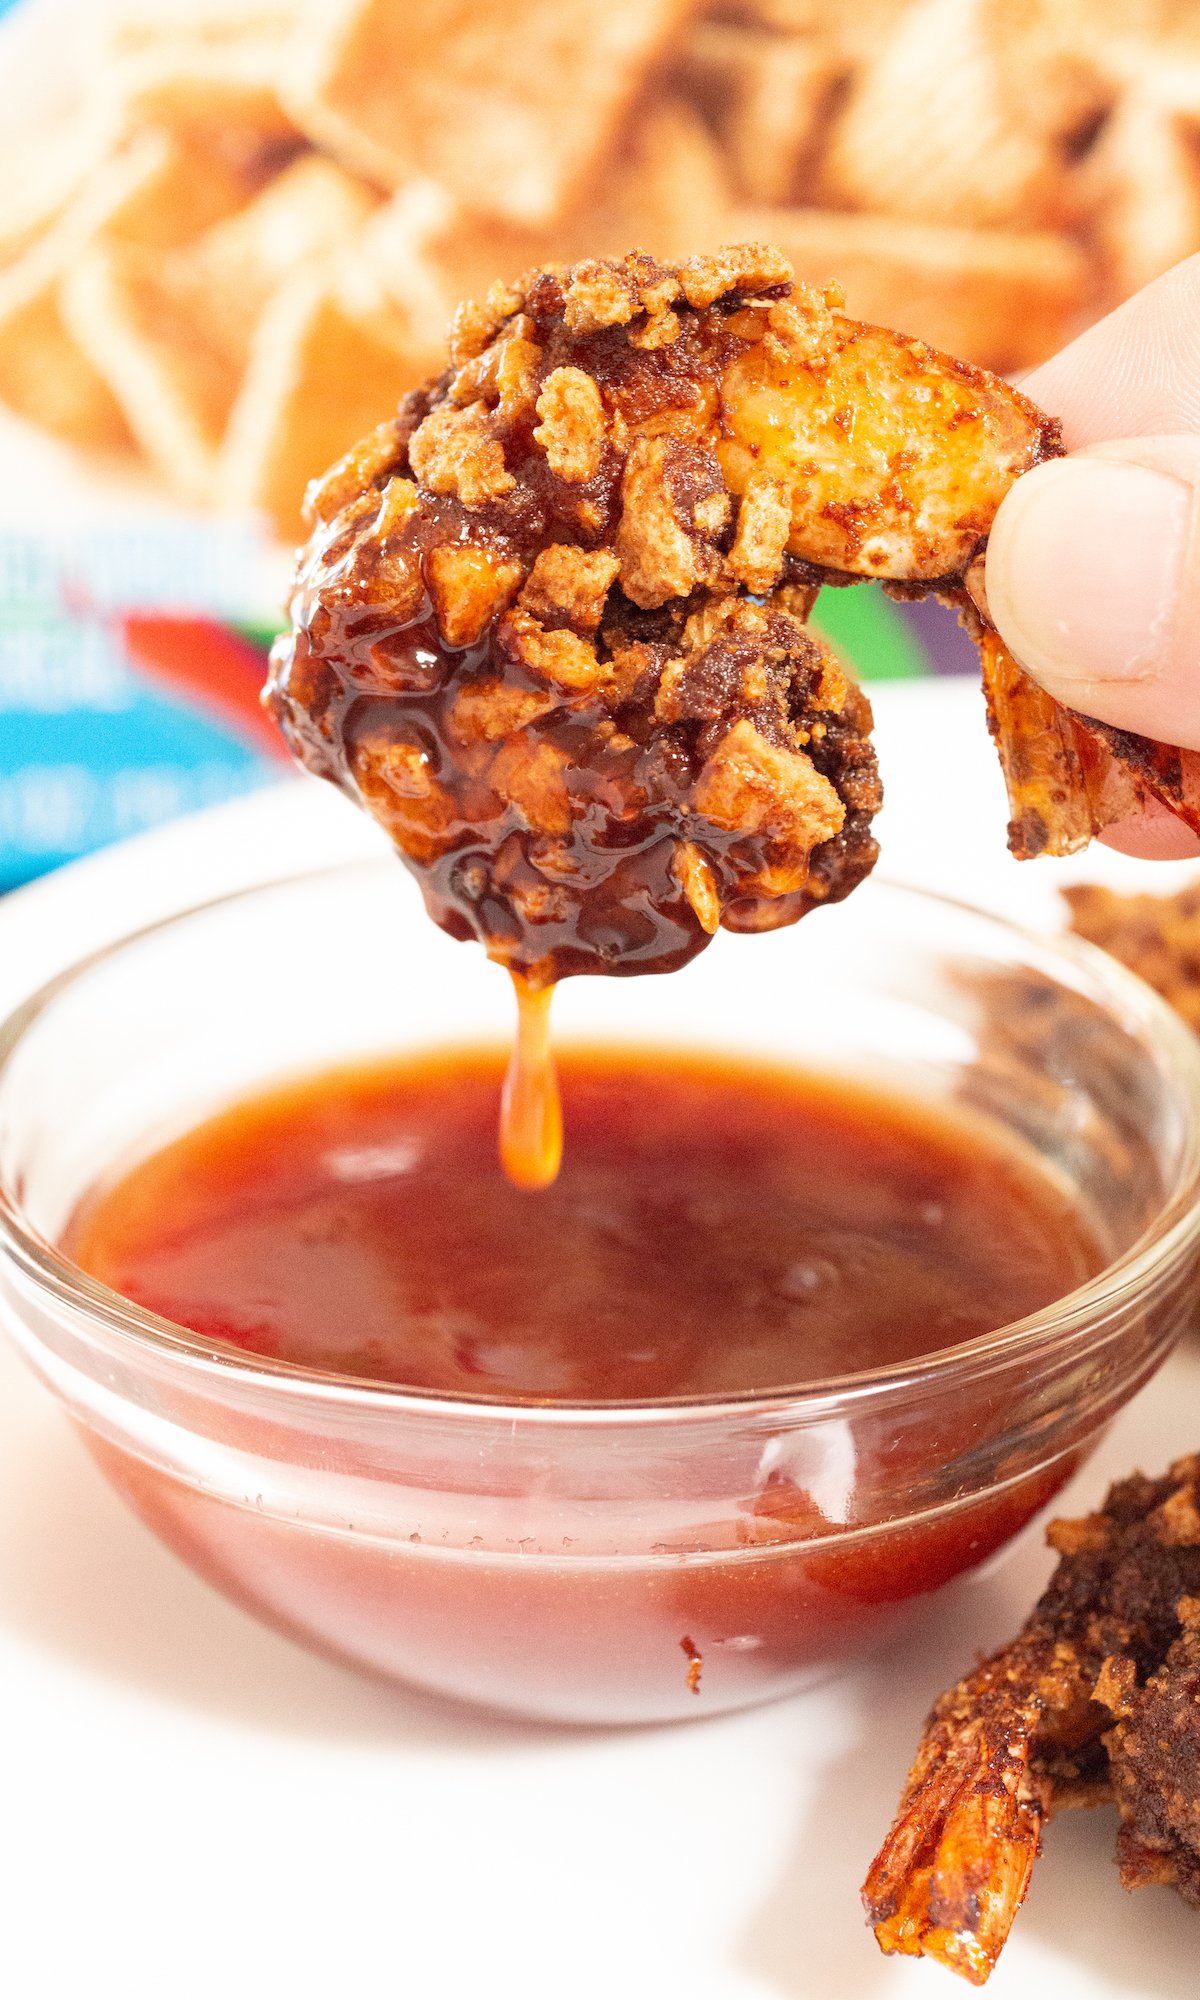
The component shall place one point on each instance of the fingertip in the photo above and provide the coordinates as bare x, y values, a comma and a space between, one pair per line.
1153, 835
1087, 581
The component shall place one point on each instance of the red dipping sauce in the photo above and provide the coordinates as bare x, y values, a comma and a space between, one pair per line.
715, 1231
718, 1231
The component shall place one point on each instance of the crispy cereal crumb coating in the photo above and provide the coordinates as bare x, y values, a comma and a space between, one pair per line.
523, 634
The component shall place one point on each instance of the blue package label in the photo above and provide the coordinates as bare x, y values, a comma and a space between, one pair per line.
132, 653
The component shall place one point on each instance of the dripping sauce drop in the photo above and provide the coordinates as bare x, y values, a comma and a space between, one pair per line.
531, 1131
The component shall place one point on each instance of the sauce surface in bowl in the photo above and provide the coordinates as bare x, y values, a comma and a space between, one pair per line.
717, 1228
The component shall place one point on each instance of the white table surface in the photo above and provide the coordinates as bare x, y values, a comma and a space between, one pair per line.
192, 1805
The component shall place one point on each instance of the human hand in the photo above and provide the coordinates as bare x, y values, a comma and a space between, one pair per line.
1093, 564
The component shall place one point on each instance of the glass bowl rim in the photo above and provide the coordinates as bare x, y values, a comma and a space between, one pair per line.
1173, 1230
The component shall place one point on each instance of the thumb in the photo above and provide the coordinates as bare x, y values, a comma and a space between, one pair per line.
1093, 581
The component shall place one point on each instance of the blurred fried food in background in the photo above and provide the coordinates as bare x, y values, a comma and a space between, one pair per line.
1158, 937
238, 238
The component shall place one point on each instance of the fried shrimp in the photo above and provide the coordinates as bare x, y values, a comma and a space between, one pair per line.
1095, 1699
550, 624
561, 653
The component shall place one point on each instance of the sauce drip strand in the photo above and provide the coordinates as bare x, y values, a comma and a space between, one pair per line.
717, 1228
531, 1131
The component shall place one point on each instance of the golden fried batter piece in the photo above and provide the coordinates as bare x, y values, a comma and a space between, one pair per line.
1096, 1699
570, 673
1158, 937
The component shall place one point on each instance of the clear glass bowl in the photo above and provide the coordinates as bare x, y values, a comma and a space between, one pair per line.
571, 1562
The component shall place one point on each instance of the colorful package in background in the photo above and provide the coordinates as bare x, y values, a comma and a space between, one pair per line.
132, 651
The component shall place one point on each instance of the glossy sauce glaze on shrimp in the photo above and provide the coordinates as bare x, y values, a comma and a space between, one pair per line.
538, 633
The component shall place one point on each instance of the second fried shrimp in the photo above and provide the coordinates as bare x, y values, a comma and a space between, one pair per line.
1095, 1699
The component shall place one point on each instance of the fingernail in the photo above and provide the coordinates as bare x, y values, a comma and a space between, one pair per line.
1085, 568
